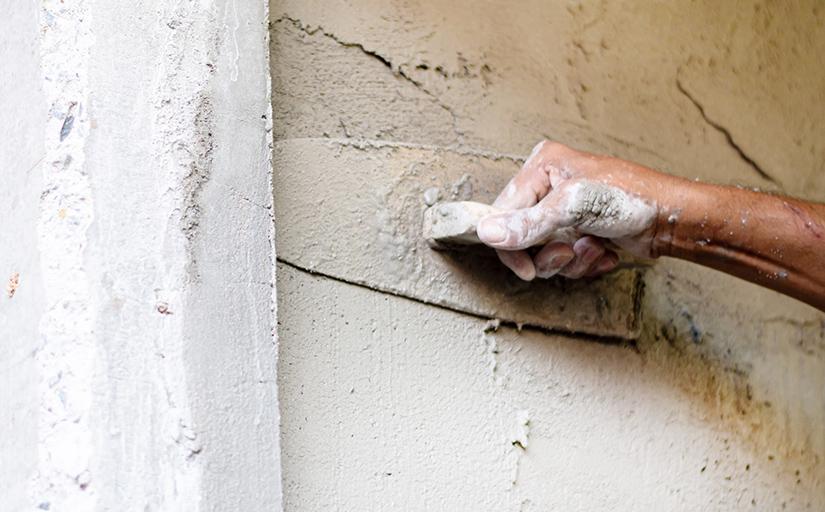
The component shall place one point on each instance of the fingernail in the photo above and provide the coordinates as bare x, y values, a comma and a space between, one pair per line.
576, 269
546, 273
553, 266
605, 265
526, 274
492, 231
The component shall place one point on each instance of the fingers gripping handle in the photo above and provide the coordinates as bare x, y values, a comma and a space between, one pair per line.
455, 223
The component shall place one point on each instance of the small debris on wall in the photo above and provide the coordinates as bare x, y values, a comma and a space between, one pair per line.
13, 284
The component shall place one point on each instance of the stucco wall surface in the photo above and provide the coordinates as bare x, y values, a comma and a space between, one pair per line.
137, 348
390, 404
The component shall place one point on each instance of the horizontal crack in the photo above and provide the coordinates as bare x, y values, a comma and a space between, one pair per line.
726, 133
607, 340
371, 288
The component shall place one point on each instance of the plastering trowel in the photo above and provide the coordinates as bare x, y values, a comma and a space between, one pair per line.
355, 212
454, 223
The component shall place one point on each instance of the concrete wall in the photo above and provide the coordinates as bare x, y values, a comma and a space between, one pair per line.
136, 336
21, 278
389, 403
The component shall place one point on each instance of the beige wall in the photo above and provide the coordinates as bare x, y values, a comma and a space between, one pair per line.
388, 403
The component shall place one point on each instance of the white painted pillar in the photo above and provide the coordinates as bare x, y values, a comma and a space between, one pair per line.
138, 352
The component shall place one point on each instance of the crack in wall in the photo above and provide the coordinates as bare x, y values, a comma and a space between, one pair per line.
593, 338
310, 271
395, 69
726, 133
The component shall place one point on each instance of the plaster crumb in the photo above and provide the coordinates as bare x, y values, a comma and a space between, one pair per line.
492, 325
462, 189
521, 434
13, 284
84, 479
431, 196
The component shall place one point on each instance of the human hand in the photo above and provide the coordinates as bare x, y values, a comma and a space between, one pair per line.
570, 203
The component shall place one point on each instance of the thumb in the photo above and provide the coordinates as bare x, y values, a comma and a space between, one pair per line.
519, 229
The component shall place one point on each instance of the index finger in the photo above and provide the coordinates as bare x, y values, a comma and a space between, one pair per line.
528, 186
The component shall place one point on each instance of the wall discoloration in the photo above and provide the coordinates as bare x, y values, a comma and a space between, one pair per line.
717, 403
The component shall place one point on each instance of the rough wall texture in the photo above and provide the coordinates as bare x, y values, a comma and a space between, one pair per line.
137, 332
393, 404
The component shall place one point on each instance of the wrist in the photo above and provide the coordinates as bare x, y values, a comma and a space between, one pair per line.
676, 220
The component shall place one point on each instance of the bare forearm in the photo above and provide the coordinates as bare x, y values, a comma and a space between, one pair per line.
771, 240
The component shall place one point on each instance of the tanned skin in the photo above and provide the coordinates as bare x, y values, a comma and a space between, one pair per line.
775, 241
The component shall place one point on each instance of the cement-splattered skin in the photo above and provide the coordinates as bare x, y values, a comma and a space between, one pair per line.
619, 201
559, 188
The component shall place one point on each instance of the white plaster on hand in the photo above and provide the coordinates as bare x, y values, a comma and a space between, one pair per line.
584, 207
